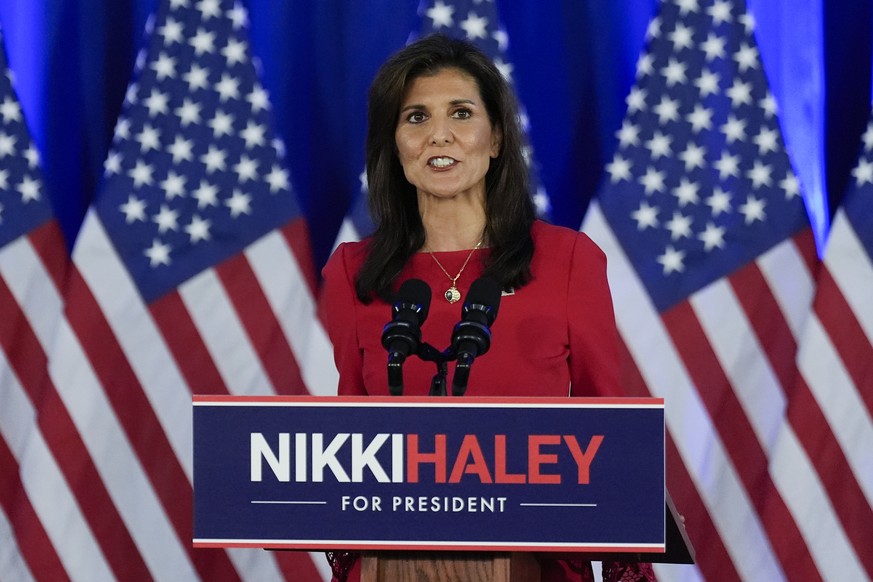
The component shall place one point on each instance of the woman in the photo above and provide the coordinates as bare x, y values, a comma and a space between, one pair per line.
449, 194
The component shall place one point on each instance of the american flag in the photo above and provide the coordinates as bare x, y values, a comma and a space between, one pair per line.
191, 275
476, 21
712, 266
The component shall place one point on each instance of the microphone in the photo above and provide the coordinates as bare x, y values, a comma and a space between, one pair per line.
472, 335
401, 336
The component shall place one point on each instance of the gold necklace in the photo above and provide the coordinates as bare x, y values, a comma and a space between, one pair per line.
452, 294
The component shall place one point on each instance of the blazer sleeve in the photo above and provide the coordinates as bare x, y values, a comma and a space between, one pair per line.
594, 355
338, 311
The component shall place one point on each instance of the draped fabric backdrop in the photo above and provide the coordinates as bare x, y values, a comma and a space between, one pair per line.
102, 346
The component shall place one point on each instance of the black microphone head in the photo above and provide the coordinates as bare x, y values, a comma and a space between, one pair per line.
415, 292
484, 296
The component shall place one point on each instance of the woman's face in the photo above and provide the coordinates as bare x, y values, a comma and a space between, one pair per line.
444, 137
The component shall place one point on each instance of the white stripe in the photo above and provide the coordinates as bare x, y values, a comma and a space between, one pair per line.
283, 283
790, 281
849, 264
45, 485
347, 233
12, 564
255, 565
678, 573
692, 430
322, 565
137, 334
222, 331
839, 401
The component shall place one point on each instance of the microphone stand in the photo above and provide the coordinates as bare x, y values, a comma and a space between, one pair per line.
428, 353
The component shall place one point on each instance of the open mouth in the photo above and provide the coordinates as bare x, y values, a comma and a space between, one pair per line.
441, 162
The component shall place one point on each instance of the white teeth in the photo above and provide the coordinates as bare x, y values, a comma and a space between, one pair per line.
441, 162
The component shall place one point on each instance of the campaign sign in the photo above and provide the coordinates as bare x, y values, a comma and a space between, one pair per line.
499, 474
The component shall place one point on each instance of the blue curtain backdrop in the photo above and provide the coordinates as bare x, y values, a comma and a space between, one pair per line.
574, 63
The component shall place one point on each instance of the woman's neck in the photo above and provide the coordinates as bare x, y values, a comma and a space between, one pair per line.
452, 225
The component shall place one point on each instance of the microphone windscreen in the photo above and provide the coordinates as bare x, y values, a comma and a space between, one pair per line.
418, 292
485, 291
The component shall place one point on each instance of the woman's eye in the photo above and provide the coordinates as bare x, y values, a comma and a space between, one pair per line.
415, 117
463, 113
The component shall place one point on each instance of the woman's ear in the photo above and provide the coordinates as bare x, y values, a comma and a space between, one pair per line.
496, 142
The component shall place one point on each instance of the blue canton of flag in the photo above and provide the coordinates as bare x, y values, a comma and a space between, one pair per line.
701, 183
858, 202
194, 174
23, 204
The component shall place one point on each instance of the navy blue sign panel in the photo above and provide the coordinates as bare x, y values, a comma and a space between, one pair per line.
429, 473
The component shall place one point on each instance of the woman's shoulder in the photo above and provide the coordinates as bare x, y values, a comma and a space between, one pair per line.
348, 256
553, 236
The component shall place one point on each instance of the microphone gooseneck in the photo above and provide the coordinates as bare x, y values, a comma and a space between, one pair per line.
402, 335
472, 335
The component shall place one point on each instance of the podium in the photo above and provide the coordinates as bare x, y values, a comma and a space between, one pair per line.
437, 488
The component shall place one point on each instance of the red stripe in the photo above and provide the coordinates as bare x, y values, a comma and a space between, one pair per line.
804, 243
140, 424
297, 566
263, 330
296, 234
28, 360
48, 242
33, 542
739, 440
846, 334
186, 345
712, 556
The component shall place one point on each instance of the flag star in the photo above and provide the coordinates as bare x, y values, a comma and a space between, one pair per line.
238, 16
652, 180
734, 129
203, 42
712, 236
228, 88
686, 192
141, 174
681, 37
181, 150
504, 68
171, 31
259, 99
362, 178
693, 156
173, 186
440, 15
768, 104
213, 159
727, 165
198, 229
659, 145
746, 57
707, 83
253, 134
278, 179
157, 103
753, 209
158, 253
646, 216
167, 219
130, 94
760, 174
221, 124
740, 93
502, 39
10, 110
672, 260
667, 110
4, 179
674, 72
719, 202
629, 134
645, 65
863, 172
279, 146
475, 26
209, 9
654, 28
112, 165
206, 195
188, 113
149, 138
619, 169
133, 209
122, 129
29, 189
32, 156
791, 186
164, 67
234, 52
7, 144
767, 140
246, 169
686, 6
679, 226
748, 21
179, 4
868, 138
197, 78
700, 118
541, 201
239, 203
713, 47
720, 11
636, 100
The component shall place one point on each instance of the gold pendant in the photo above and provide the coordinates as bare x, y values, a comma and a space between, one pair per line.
452, 294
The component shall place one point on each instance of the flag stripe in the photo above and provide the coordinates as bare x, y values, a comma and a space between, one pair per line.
849, 263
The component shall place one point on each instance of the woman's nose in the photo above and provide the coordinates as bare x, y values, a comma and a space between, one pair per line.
441, 134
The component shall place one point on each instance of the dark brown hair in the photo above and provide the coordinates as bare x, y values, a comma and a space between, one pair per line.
393, 202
